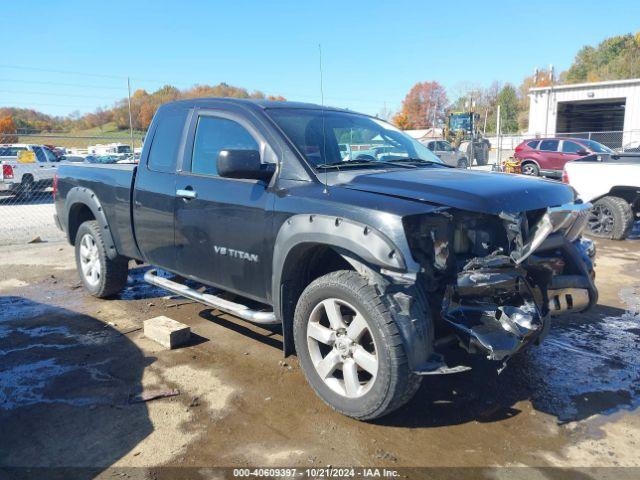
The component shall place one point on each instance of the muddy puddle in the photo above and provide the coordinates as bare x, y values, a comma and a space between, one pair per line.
585, 366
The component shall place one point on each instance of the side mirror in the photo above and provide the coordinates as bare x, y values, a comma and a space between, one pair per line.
582, 152
244, 164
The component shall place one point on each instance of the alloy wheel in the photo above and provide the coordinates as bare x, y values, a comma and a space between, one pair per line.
342, 348
601, 220
90, 260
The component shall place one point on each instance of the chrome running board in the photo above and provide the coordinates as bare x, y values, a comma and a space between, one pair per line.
242, 311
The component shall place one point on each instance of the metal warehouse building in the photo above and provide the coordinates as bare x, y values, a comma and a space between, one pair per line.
605, 111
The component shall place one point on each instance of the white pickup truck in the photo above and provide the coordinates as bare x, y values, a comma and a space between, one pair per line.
612, 183
24, 179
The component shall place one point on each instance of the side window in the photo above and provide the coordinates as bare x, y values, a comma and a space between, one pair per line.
214, 134
533, 144
40, 156
50, 155
431, 146
166, 142
549, 145
571, 147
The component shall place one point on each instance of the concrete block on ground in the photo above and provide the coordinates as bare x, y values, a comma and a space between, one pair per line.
166, 331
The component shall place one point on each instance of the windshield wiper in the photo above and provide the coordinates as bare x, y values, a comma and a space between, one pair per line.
355, 162
417, 160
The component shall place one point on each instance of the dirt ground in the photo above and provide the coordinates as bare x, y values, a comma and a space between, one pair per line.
69, 365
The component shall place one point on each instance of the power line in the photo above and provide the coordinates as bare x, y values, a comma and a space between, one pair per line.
31, 104
23, 92
64, 72
59, 84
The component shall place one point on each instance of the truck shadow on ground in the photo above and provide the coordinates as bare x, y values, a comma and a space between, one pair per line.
66, 380
588, 364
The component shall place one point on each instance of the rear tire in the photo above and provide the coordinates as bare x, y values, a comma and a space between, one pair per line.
101, 276
327, 363
611, 217
463, 163
530, 168
482, 155
27, 188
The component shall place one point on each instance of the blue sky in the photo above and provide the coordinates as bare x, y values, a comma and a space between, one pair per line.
373, 52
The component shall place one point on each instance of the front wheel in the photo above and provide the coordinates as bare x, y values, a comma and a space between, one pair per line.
101, 276
350, 349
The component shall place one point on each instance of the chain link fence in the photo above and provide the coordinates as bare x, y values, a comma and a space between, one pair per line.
29, 163
503, 146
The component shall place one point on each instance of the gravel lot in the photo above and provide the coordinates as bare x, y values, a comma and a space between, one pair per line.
70, 364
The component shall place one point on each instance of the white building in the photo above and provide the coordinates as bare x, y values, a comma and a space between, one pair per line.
612, 106
425, 134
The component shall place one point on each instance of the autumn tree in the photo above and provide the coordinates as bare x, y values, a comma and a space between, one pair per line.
423, 107
8, 130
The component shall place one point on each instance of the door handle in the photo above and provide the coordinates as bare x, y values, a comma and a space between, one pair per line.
187, 193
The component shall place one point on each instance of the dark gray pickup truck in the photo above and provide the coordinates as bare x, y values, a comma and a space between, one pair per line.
378, 260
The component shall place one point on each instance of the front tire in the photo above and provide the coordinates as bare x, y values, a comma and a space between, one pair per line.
463, 163
350, 348
611, 217
101, 276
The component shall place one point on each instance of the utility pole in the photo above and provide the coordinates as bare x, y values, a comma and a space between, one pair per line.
130, 116
549, 93
498, 126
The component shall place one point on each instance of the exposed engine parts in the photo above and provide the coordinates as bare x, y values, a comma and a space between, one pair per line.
499, 279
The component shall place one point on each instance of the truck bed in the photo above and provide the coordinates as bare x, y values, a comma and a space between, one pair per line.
112, 184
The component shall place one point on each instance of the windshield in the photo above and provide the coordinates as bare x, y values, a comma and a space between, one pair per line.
349, 139
596, 147
460, 121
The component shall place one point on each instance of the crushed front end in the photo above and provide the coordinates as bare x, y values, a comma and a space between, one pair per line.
499, 278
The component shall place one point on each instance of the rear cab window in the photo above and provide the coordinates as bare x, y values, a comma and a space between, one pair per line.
166, 142
549, 145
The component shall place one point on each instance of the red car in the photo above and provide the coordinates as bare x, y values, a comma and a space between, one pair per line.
546, 156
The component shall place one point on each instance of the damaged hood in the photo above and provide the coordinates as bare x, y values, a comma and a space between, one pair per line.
471, 190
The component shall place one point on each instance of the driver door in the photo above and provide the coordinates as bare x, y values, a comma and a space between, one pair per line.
221, 223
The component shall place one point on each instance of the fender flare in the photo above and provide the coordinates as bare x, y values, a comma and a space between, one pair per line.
365, 242
364, 247
86, 196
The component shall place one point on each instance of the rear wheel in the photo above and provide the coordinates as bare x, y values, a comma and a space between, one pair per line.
463, 163
611, 217
530, 168
482, 154
100, 275
27, 188
350, 349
